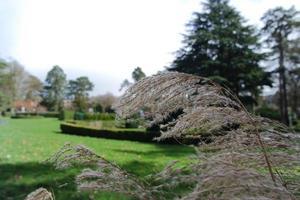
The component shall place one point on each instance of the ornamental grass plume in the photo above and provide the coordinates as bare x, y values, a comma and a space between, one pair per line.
70, 155
188, 107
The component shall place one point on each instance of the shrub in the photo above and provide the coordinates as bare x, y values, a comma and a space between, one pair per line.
78, 116
297, 126
118, 134
129, 123
49, 114
94, 116
268, 112
35, 115
66, 115
99, 116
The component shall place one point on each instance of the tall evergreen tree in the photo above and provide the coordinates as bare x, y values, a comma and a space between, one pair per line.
54, 89
279, 24
221, 47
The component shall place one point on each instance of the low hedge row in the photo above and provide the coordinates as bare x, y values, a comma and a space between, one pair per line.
66, 115
35, 115
94, 116
118, 134
72, 115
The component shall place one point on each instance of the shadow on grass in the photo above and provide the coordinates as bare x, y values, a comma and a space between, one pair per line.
18, 180
165, 150
140, 168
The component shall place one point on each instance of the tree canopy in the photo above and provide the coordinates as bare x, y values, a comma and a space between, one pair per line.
221, 47
55, 87
137, 74
79, 90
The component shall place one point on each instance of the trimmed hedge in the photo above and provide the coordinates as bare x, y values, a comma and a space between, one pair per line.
66, 115
72, 115
94, 116
121, 134
118, 134
35, 115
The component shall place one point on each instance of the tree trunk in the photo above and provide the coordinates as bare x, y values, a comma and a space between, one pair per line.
294, 99
282, 85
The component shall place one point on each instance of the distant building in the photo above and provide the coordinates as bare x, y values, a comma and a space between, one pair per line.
22, 106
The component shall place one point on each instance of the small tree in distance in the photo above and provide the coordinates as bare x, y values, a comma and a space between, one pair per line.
79, 91
136, 75
103, 103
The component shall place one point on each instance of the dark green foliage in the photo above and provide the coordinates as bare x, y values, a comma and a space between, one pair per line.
297, 126
130, 123
54, 89
138, 74
98, 108
219, 46
118, 134
99, 116
94, 116
79, 116
35, 115
66, 115
78, 90
268, 112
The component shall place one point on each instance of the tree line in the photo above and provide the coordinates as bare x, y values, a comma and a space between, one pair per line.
18, 84
219, 44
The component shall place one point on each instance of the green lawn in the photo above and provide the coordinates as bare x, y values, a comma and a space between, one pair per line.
24, 143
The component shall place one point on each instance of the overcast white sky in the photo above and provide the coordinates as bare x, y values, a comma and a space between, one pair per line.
103, 39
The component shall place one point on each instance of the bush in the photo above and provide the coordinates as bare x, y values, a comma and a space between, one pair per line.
134, 122
6, 114
94, 116
66, 115
99, 116
118, 134
35, 115
78, 116
268, 112
49, 114
297, 126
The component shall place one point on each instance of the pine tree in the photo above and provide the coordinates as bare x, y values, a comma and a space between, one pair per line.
221, 47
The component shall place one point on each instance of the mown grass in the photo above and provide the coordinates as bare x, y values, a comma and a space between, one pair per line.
25, 143
103, 125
